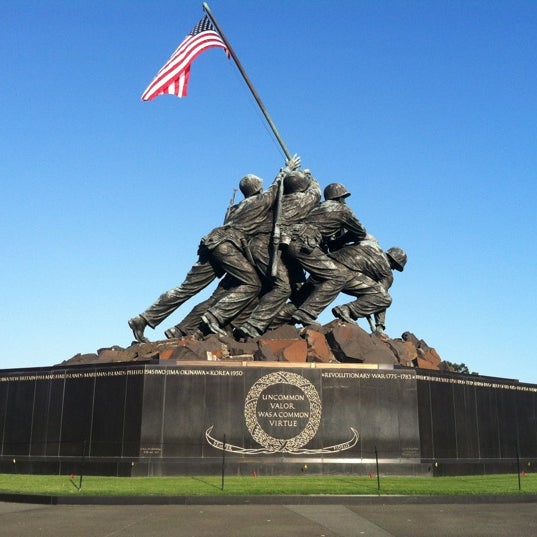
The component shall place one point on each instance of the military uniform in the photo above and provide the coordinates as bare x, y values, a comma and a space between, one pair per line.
219, 253
369, 260
251, 219
295, 208
331, 222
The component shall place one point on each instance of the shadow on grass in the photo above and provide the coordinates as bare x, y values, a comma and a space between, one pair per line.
212, 485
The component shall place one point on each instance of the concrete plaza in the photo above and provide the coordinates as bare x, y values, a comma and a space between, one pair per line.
317, 519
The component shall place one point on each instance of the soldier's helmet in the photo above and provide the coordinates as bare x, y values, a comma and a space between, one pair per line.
250, 185
398, 257
296, 181
334, 191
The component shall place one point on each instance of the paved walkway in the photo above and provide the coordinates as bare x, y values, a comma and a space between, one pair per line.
254, 520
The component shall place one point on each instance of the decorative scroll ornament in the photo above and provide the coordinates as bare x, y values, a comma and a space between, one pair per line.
270, 443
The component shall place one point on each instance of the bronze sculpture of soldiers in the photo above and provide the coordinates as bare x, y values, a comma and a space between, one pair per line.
324, 240
221, 252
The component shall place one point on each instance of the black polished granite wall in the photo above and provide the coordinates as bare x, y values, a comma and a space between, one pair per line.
70, 420
286, 415
145, 419
471, 424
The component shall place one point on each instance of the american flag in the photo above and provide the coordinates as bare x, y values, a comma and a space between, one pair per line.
173, 77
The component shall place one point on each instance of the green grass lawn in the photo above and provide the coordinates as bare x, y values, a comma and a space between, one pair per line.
233, 485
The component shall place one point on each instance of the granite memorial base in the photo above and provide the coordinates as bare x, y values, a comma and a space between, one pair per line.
256, 418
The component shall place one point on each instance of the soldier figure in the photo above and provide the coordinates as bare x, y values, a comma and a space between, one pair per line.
220, 252
368, 258
301, 193
255, 221
330, 225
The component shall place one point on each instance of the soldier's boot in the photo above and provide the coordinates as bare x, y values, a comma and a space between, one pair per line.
303, 318
173, 333
245, 332
137, 325
379, 331
344, 313
212, 324
283, 317
177, 333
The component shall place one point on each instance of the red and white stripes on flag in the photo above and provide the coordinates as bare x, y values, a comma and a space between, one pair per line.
173, 76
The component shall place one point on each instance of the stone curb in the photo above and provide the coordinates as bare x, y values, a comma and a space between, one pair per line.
316, 499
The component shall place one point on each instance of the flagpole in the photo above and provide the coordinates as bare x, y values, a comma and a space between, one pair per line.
248, 82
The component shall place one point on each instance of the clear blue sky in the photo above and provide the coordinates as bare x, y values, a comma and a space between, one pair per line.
425, 110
